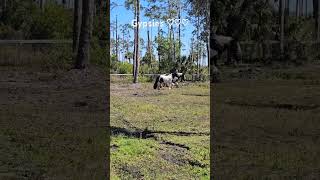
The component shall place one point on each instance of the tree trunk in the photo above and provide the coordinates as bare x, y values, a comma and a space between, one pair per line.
174, 45
102, 36
318, 21
316, 15
118, 55
286, 14
112, 42
134, 53
306, 8
208, 53
169, 32
288, 7
281, 15
213, 122
198, 48
134, 44
151, 46
117, 39
192, 54
3, 6
123, 47
42, 4
107, 51
301, 8
159, 57
179, 29
297, 11
85, 35
136, 71
127, 49
208, 35
76, 25
149, 43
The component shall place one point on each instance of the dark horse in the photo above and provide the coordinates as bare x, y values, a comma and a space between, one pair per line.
220, 44
180, 76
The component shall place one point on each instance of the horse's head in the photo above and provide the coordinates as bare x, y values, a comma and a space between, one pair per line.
176, 76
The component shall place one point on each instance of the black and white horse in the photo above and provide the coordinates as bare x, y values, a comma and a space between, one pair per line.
167, 80
177, 77
176, 74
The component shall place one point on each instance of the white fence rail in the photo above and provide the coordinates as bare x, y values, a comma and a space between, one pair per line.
28, 51
188, 77
132, 75
149, 74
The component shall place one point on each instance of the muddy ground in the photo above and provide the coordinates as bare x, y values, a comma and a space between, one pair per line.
53, 124
268, 123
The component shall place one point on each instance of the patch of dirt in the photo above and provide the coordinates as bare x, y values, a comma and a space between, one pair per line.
38, 108
173, 157
182, 133
200, 95
270, 128
137, 133
177, 155
294, 107
74, 78
175, 144
114, 147
132, 171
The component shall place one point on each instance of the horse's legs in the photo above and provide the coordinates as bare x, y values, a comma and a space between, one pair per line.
238, 58
229, 56
215, 74
215, 59
170, 84
236, 53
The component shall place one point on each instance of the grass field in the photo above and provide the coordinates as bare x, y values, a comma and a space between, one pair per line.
160, 134
53, 126
267, 123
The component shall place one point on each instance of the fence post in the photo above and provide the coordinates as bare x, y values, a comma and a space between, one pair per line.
19, 52
14, 60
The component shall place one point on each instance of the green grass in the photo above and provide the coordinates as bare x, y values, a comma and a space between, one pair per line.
184, 109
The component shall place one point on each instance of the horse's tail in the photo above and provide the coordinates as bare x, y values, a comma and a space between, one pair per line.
156, 83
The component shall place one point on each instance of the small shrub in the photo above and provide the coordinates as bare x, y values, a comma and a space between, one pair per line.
98, 54
125, 68
58, 58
